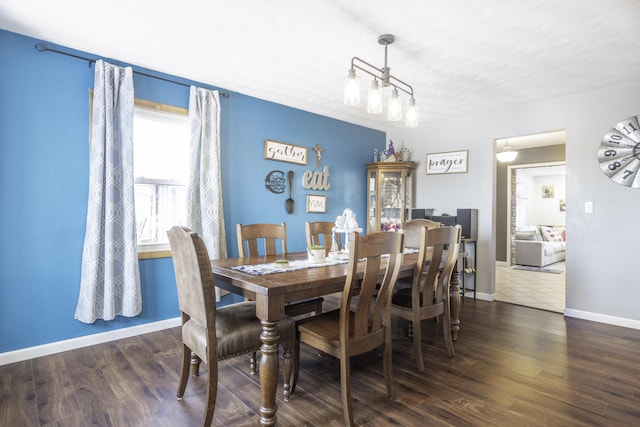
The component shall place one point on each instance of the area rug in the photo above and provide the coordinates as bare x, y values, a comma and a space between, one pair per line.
538, 269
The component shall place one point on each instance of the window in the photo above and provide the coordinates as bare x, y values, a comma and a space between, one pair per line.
161, 161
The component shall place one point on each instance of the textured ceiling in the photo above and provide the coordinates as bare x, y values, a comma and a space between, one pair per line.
460, 56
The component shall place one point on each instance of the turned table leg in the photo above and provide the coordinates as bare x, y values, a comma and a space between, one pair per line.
455, 302
269, 372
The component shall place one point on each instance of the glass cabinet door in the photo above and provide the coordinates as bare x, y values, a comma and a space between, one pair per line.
392, 200
389, 190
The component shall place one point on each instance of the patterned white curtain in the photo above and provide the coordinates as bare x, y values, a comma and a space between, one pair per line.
205, 214
110, 280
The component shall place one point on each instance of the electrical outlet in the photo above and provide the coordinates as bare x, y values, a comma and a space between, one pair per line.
588, 207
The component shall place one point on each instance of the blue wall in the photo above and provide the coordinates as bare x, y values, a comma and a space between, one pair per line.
44, 139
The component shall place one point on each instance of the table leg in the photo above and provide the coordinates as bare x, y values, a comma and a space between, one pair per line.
269, 372
455, 302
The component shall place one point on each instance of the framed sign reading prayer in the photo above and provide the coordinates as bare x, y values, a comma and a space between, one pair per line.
450, 162
282, 152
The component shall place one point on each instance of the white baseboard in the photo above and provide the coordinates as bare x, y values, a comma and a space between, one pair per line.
602, 318
85, 341
579, 314
485, 297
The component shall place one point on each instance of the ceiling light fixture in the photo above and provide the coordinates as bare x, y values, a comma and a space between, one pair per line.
506, 155
382, 75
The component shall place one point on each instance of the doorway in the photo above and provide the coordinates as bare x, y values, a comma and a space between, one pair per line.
530, 192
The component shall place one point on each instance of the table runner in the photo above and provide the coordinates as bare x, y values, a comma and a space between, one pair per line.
271, 267
299, 264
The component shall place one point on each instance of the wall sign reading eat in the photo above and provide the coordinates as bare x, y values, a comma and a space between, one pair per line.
282, 152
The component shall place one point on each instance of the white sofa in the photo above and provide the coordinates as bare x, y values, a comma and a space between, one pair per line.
540, 246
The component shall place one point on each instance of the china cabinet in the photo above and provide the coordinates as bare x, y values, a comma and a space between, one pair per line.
390, 194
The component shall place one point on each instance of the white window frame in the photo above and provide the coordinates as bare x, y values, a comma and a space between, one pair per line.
155, 249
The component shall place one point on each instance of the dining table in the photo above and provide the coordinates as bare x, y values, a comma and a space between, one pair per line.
271, 289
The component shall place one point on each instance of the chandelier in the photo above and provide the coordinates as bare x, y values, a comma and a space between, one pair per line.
506, 155
382, 78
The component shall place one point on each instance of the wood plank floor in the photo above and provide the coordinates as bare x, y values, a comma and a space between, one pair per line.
514, 366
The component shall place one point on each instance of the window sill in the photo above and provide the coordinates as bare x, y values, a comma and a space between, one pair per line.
154, 251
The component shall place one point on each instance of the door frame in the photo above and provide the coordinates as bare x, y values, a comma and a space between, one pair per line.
510, 196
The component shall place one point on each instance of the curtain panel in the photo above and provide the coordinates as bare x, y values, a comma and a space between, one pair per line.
110, 278
205, 213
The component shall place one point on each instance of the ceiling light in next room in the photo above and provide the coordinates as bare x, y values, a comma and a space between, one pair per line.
506, 155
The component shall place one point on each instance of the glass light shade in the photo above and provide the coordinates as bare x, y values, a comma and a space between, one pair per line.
411, 118
394, 111
506, 155
374, 100
352, 89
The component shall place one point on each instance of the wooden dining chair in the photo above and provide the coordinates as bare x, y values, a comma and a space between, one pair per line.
429, 295
253, 237
210, 334
347, 332
412, 229
320, 233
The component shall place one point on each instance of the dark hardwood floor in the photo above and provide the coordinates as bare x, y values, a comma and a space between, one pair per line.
514, 366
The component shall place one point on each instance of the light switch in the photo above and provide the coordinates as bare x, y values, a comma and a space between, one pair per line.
588, 207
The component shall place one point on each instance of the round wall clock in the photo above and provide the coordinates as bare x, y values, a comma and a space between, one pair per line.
619, 153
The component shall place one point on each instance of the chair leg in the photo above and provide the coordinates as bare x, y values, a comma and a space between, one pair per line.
212, 393
252, 363
296, 364
345, 383
417, 344
287, 370
195, 365
388, 365
446, 329
184, 371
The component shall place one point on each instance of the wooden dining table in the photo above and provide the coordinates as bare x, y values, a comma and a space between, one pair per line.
271, 292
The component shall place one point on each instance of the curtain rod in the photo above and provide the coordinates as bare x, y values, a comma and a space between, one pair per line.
42, 48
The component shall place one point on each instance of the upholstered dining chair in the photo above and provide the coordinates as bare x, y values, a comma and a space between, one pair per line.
252, 237
349, 331
210, 334
429, 295
320, 233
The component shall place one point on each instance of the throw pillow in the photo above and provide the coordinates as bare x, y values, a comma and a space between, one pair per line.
550, 234
527, 235
562, 232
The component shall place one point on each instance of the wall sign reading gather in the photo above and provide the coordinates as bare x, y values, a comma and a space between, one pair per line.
282, 152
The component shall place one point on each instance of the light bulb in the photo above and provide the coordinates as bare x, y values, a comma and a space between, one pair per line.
411, 119
394, 111
352, 89
374, 101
